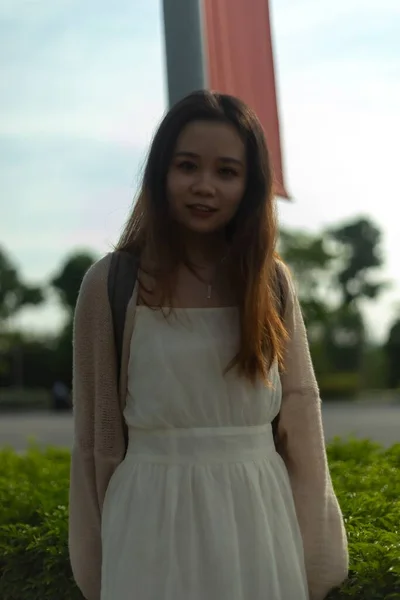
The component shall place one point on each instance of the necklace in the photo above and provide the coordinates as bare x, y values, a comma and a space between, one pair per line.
210, 284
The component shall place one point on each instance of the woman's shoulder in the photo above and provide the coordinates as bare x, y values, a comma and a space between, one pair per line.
97, 274
94, 283
284, 276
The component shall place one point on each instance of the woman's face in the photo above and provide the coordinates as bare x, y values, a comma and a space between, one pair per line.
207, 177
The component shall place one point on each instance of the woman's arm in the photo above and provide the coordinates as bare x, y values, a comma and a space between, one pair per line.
302, 447
98, 445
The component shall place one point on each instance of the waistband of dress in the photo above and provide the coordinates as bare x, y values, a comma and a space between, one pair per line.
201, 444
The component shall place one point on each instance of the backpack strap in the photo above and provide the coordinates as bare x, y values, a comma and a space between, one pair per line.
281, 291
122, 277
282, 306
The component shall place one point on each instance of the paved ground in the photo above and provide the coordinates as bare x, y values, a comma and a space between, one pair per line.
378, 422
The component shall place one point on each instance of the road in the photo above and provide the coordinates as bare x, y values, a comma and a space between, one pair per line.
364, 420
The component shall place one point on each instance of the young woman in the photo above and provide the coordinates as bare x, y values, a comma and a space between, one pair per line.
201, 503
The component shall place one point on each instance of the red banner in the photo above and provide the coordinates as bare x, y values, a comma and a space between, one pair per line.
240, 62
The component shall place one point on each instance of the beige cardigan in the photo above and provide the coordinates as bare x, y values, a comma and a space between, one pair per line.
99, 443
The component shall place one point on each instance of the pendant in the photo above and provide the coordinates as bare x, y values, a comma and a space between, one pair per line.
209, 290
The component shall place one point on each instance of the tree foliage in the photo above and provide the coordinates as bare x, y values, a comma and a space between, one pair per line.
360, 256
34, 361
310, 262
68, 280
335, 272
14, 292
392, 352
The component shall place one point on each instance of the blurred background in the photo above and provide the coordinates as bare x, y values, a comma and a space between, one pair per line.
83, 88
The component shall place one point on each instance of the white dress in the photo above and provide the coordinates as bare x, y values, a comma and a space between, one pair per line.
201, 507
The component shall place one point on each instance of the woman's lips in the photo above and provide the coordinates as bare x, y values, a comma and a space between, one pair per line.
202, 210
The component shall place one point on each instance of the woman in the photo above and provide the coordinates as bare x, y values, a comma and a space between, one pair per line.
201, 504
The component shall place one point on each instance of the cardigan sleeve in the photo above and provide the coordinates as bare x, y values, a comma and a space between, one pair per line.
302, 447
98, 445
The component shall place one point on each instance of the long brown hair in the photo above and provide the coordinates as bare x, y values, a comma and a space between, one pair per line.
252, 234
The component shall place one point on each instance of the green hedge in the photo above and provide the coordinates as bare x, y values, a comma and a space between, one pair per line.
339, 386
19, 399
33, 522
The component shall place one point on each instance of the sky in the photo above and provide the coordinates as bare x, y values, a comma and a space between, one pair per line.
83, 87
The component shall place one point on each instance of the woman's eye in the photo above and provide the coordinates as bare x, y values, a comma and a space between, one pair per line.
228, 172
187, 166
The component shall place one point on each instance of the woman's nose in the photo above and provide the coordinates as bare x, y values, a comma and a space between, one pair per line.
203, 185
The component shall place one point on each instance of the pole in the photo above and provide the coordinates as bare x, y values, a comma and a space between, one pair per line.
184, 48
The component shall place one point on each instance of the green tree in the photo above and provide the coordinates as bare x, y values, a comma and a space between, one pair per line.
15, 294
392, 352
67, 283
358, 247
335, 270
310, 261
68, 280
345, 339
360, 256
